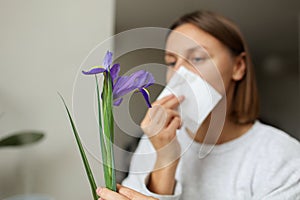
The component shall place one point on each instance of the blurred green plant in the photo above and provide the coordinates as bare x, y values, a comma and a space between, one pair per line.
21, 138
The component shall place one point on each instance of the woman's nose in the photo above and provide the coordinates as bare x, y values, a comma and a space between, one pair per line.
177, 66
180, 62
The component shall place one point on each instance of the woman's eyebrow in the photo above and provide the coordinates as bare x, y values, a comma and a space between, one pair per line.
187, 51
197, 48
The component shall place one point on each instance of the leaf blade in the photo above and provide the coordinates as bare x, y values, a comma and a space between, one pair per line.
82, 153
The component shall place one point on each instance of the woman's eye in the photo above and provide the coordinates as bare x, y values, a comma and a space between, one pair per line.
197, 59
170, 64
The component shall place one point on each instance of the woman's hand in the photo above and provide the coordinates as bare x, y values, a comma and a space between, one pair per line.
123, 193
160, 125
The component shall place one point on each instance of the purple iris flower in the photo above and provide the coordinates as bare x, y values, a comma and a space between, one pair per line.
114, 70
122, 85
137, 81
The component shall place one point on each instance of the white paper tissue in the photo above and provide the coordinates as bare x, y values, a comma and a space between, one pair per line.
200, 97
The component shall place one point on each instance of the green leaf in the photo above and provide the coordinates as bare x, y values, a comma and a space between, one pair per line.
21, 138
102, 144
82, 153
107, 105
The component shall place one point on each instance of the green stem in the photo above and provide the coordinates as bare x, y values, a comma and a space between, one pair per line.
102, 142
107, 104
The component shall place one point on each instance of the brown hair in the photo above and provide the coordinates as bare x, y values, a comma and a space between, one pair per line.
245, 103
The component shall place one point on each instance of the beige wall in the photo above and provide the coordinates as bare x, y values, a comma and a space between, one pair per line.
42, 44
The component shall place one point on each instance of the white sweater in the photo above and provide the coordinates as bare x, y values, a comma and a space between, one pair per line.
264, 163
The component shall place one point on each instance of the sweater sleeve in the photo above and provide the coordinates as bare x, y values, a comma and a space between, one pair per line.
283, 184
142, 164
280, 174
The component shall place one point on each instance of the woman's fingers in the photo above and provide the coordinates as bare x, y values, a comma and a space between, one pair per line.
151, 114
168, 116
163, 100
107, 194
173, 102
124, 193
170, 101
158, 114
175, 124
161, 121
132, 194
155, 114
163, 117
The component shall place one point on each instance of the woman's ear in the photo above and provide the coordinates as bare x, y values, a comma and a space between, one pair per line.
239, 68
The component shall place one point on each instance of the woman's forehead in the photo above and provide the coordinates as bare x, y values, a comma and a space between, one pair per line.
188, 37
183, 49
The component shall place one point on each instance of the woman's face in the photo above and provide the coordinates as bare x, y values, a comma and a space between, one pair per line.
204, 55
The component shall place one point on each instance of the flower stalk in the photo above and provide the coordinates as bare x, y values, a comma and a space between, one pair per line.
114, 88
108, 136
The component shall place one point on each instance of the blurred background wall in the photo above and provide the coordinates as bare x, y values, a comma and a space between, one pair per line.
42, 44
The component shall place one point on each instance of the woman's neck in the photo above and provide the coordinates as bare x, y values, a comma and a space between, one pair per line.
229, 132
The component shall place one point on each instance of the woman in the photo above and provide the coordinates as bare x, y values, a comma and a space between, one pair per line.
250, 160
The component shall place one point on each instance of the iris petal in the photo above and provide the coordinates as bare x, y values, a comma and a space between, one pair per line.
146, 95
123, 85
107, 59
114, 72
117, 102
94, 70
150, 80
143, 79
126, 84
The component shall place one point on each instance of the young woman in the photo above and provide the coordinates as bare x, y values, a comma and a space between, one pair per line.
249, 161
